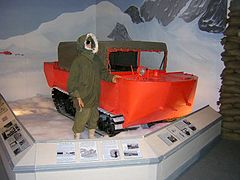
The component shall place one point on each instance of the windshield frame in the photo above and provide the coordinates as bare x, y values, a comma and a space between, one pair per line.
163, 61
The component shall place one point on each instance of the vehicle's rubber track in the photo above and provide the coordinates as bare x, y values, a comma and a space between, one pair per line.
63, 103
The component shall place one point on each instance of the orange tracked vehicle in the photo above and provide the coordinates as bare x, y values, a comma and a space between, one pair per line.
145, 94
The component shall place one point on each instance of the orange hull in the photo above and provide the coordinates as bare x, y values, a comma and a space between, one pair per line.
140, 99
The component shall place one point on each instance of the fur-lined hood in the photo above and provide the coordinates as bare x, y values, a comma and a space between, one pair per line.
82, 43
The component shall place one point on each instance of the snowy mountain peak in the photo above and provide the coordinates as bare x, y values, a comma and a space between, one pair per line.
212, 13
119, 33
163, 10
133, 12
195, 8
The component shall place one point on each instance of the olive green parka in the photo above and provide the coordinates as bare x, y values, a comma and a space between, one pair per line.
86, 72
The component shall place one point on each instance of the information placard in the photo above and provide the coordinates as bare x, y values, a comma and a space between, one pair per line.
10, 130
131, 148
66, 152
110, 150
88, 151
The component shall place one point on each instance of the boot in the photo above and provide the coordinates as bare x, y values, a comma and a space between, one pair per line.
91, 133
77, 135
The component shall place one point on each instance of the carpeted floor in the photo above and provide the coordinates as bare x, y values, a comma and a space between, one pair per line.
220, 162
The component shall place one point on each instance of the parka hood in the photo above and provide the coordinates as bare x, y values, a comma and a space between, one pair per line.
83, 40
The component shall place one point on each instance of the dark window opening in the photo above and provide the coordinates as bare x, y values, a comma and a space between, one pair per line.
122, 61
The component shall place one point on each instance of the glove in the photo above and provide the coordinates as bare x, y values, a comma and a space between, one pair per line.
78, 104
115, 77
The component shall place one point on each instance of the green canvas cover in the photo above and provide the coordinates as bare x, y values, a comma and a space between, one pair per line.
67, 51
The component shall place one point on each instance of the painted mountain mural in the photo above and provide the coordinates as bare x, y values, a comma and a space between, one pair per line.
211, 14
190, 49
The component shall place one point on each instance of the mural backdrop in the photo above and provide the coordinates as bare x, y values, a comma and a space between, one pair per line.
31, 31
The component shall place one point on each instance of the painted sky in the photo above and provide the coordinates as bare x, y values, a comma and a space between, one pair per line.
22, 16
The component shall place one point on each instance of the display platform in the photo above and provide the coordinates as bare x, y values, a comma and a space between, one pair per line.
160, 153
